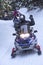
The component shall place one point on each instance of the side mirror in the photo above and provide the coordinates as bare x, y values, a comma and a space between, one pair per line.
14, 34
35, 31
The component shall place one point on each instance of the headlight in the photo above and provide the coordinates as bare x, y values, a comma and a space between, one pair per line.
24, 35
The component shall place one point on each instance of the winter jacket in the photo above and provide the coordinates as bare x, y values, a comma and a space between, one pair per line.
30, 23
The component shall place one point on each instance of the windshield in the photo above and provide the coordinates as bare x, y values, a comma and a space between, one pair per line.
24, 29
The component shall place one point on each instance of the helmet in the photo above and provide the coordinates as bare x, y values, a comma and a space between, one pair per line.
22, 17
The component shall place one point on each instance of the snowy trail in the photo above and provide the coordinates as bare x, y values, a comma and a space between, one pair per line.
6, 31
7, 42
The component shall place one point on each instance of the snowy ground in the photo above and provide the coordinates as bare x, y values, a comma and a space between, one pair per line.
7, 41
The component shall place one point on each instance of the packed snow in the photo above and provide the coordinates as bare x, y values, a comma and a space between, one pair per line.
7, 41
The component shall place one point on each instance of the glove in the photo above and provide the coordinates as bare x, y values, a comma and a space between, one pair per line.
31, 17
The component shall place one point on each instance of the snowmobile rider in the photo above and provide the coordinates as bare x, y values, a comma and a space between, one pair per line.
20, 20
31, 22
16, 15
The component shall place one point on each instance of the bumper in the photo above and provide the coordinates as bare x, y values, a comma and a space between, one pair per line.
26, 47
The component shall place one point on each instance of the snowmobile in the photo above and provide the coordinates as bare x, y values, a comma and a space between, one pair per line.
26, 40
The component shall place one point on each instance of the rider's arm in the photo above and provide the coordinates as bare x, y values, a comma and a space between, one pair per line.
32, 22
